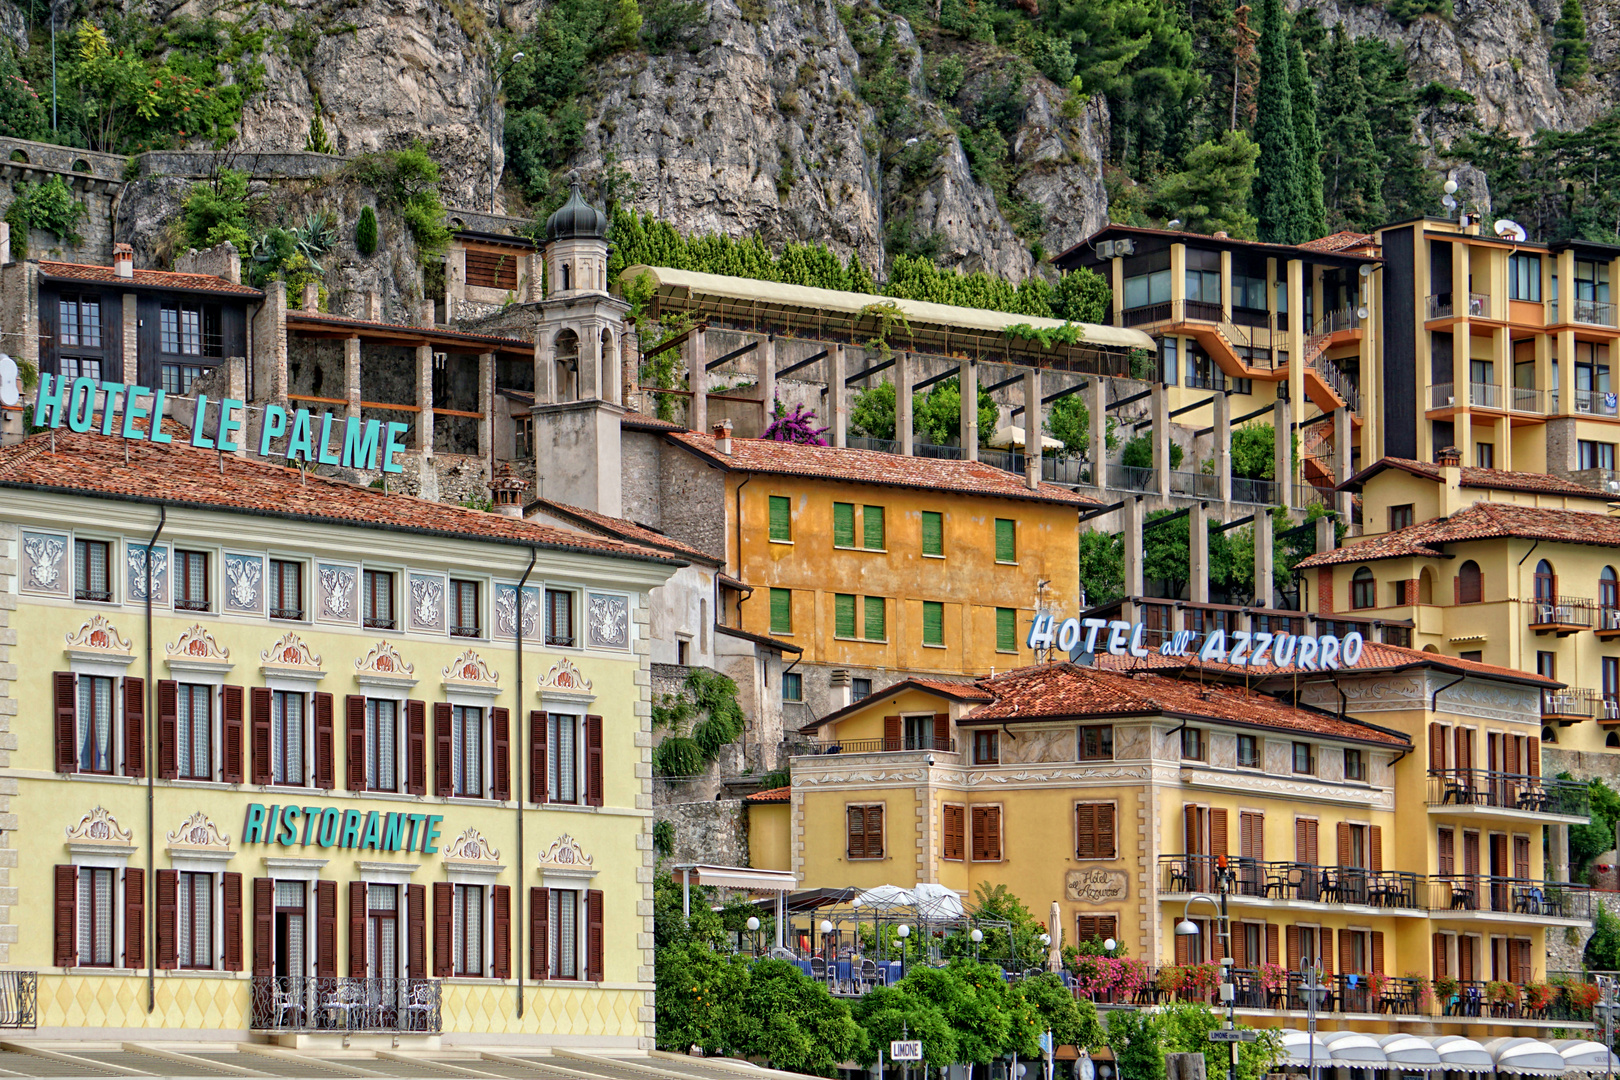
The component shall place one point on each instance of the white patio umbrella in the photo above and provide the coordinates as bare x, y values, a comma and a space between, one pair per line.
1528, 1056
1012, 435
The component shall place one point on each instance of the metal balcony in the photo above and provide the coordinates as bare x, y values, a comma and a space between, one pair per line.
298, 1003
1507, 791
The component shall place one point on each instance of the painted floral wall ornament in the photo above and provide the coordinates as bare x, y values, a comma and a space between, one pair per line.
469, 667
99, 827
97, 634
608, 618
196, 643
290, 651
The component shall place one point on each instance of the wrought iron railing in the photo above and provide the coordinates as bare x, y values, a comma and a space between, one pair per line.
1568, 703
900, 744
1511, 791
1509, 896
1335, 377
1442, 396
299, 1003
1596, 402
1555, 612
1197, 484
1130, 478
1484, 395
1260, 492
1525, 399
1593, 312
19, 999
1295, 881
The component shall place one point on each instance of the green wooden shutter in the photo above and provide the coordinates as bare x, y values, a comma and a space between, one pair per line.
1006, 629
781, 611
843, 524
933, 533
872, 527
781, 518
875, 628
843, 616
1006, 547
933, 622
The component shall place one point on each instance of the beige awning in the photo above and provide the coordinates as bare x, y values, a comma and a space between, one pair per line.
737, 877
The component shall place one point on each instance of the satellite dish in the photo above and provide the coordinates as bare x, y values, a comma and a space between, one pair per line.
1511, 230
1449, 203
9, 394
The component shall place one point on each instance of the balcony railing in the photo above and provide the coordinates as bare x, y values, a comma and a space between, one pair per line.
1484, 395
1509, 791
1442, 306
1591, 312
1260, 492
1525, 399
1333, 322
1509, 896
899, 745
1129, 478
1294, 881
1561, 613
1571, 703
296, 1003
19, 999
1442, 396
1197, 484
1596, 402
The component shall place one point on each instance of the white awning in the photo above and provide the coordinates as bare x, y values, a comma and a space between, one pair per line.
1458, 1054
1409, 1051
738, 877
1297, 1048
1354, 1048
1584, 1055
1529, 1056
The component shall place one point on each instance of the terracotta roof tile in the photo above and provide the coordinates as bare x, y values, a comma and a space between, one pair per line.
178, 475
1341, 241
162, 279
1484, 479
1063, 690
956, 691
630, 531
771, 795
1482, 521
874, 467
642, 422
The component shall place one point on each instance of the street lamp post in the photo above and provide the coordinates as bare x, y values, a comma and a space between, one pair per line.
1187, 928
903, 932
495, 80
977, 936
753, 928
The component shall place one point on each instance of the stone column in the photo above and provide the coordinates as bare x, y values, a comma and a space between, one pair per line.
269, 329
545, 366
1097, 404
1559, 849
1298, 332
1264, 556
312, 296
1283, 418
1223, 446
131, 334
968, 374
765, 377
424, 399
1197, 554
590, 366
486, 406
1327, 536
697, 358
902, 402
1343, 447
1131, 512
374, 306
629, 368
836, 418
1032, 428
1161, 438
351, 374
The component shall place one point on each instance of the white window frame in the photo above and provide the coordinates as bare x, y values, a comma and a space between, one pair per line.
114, 857
305, 689
554, 934
579, 757
400, 584
395, 688
214, 576
115, 568
487, 876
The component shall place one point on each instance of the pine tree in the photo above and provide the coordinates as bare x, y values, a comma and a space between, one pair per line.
1569, 49
1212, 193
1277, 184
1308, 141
1350, 161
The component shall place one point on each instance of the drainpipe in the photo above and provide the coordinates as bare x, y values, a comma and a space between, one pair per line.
151, 772
517, 772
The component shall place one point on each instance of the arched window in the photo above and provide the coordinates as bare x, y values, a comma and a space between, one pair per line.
1363, 589
566, 270
1613, 739
1609, 598
1546, 582
1426, 586
1470, 583
1549, 735
1431, 649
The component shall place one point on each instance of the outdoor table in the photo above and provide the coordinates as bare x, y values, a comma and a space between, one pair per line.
844, 974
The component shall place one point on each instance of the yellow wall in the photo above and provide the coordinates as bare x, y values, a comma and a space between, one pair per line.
768, 826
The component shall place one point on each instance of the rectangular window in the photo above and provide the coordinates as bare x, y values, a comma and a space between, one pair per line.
1204, 285
1192, 744
781, 517
468, 931
1398, 635
872, 537
382, 742
933, 532
97, 929
919, 732
79, 321
191, 580
933, 623
1144, 289
464, 609
860, 689
382, 931
467, 750
1097, 743
792, 686
1006, 629
986, 748
92, 571
1249, 291
1006, 540
1524, 277
289, 928
781, 611
70, 368
377, 600
562, 758
874, 625
563, 926
1485, 455
987, 834
286, 589
1595, 455
181, 330
177, 378
95, 724
195, 919
1094, 831
560, 618
1248, 752
287, 738
865, 836
1611, 677
1303, 762
1400, 517
194, 727
843, 525
1355, 766
953, 835
843, 615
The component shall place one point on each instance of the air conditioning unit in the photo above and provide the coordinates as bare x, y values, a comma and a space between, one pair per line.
1126, 246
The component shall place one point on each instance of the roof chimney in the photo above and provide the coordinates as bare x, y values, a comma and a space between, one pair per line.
506, 491
1449, 458
722, 437
1450, 462
124, 260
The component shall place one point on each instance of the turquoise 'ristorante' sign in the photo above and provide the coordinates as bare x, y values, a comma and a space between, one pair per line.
329, 827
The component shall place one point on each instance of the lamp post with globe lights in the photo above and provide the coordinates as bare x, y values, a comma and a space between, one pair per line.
1187, 928
977, 936
902, 932
753, 928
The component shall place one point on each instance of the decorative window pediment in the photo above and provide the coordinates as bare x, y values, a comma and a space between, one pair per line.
470, 853
98, 639
565, 684
384, 667
99, 835
566, 861
197, 651
291, 658
198, 831
469, 674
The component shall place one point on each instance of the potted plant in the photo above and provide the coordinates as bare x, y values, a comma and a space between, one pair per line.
1172, 977
1423, 990
1539, 996
1446, 988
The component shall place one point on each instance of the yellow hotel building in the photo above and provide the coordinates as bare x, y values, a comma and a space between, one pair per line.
349, 767
1116, 790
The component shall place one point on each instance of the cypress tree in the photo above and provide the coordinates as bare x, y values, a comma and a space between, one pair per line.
1569, 43
365, 234
1308, 141
1352, 191
1277, 183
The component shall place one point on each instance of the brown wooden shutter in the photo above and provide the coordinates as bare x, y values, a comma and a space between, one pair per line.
1240, 946
1217, 831
855, 825
444, 784
354, 727
891, 733
326, 929
1447, 852
1293, 948
168, 729
1375, 848
992, 833
1526, 960
1465, 749
1107, 832
500, 743
416, 753
444, 915
65, 688
1465, 960
1514, 974
1325, 944
539, 934
942, 731
1273, 956
500, 903
539, 787
264, 926
1189, 829
1347, 962
1344, 844
1439, 948
1470, 854
594, 943
978, 848
357, 919
1492, 741
951, 832
1437, 747
66, 952
168, 915
325, 744
259, 717
416, 931
1302, 841
230, 888
874, 832
135, 916
593, 761
134, 726
1521, 857
1183, 953
230, 718
1533, 759
1378, 951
